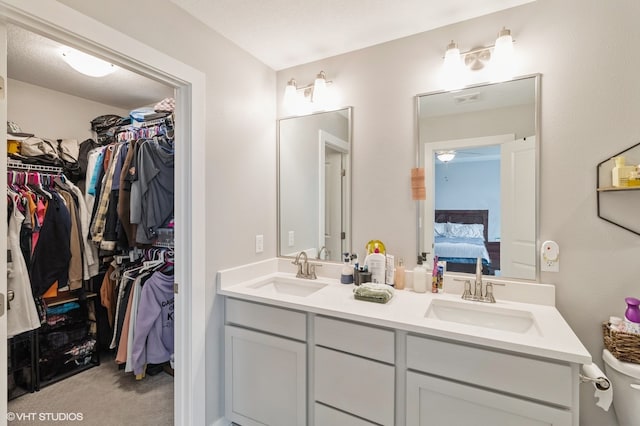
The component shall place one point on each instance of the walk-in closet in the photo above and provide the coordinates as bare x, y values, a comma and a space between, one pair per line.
90, 214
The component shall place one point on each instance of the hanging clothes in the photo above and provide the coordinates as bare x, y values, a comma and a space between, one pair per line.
22, 315
51, 256
153, 334
152, 207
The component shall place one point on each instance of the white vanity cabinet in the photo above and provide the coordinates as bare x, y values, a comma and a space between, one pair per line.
354, 375
265, 364
457, 384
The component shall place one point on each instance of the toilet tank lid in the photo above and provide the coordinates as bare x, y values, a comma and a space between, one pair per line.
628, 368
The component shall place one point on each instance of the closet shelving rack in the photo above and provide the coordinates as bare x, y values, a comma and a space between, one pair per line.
27, 348
22, 374
73, 368
18, 165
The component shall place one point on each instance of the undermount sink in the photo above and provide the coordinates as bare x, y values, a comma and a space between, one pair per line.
483, 315
288, 286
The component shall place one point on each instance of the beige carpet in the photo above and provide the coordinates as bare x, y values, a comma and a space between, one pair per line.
102, 395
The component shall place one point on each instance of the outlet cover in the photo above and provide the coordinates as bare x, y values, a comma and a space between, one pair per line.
259, 243
292, 239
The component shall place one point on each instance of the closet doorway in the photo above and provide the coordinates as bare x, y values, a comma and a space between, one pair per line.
85, 34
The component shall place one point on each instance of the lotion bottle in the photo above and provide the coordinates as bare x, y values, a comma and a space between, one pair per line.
375, 262
399, 275
419, 277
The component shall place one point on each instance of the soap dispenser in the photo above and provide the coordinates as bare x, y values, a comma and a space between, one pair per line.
346, 277
420, 275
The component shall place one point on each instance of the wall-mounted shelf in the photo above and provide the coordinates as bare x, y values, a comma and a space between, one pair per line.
612, 208
620, 188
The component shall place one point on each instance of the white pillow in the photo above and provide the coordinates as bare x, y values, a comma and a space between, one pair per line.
463, 230
440, 229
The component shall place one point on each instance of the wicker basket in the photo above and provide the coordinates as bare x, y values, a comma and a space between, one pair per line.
623, 346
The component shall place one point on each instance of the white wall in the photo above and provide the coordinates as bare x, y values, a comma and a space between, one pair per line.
53, 115
240, 200
585, 50
470, 185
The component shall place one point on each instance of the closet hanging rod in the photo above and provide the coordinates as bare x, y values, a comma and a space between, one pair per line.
14, 164
168, 120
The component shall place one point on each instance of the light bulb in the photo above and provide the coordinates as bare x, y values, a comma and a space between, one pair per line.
502, 64
319, 95
452, 68
291, 97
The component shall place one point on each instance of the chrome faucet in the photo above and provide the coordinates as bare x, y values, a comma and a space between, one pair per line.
305, 269
477, 293
323, 249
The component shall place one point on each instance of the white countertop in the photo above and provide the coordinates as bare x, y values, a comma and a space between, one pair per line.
553, 338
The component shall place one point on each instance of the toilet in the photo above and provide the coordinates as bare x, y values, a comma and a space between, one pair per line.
626, 399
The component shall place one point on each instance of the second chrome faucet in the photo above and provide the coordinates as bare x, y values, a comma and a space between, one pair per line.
478, 294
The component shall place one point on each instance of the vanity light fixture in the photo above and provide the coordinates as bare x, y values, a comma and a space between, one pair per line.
497, 59
86, 64
446, 156
313, 96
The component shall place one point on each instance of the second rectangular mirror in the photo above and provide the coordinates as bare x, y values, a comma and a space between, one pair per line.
479, 148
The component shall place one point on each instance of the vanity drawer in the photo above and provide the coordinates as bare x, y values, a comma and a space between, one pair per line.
359, 339
356, 385
280, 321
327, 416
529, 377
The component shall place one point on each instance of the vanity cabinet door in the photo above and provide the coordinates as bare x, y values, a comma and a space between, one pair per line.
434, 401
265, 379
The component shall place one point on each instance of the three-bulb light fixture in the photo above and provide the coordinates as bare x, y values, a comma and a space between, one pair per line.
496, 60
308, 98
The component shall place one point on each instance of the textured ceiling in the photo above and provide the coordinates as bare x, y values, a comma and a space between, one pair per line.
36, 60
285, 33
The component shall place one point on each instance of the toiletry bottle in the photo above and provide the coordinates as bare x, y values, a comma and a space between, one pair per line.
390, 269
346, 277
632, 316
399, 275
434, 275
356, 265
620, 173
419, 277
375, 264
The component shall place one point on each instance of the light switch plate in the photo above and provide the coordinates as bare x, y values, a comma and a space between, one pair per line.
259, 243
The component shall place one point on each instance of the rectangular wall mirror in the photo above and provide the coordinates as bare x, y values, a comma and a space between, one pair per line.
480, 150
314, 185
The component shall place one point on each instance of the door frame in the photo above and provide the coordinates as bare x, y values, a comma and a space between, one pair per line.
430, 149
66, 25
326, 139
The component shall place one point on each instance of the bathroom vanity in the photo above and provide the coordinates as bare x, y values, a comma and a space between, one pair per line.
306, 352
